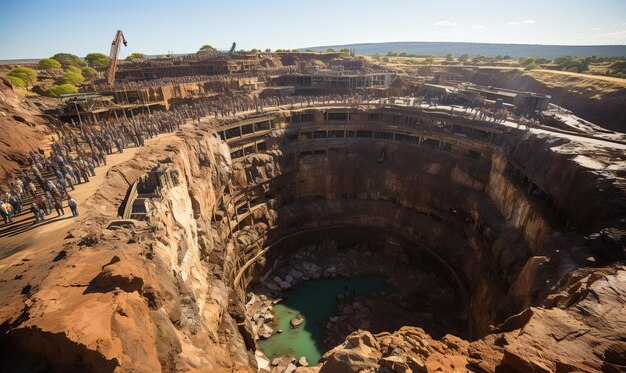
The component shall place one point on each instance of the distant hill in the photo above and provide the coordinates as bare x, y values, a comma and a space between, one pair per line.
486, 49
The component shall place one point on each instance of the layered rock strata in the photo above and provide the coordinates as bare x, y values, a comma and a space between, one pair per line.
506, 217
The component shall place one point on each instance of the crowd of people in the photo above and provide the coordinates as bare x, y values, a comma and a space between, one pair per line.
75, 153
46, 194
225, 106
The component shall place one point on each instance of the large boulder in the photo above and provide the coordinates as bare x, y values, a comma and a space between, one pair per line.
297, 321
359, 352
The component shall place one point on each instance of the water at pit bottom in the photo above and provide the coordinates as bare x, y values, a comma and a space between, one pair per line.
315, 300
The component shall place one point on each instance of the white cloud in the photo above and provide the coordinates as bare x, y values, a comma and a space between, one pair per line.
478, 26
513, 23
444, 23
529, 21
597, 29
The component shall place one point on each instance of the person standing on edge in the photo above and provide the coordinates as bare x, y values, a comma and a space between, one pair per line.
59, 207
6, 210
37, 212
73, 205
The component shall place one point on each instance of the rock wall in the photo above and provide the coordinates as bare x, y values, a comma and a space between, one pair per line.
23, 129
161, 294
141, 296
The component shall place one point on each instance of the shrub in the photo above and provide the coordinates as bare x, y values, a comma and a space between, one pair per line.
16, 82
29, 76
528, 61
73, 78
66, 60
73, 69
89, 73
63, 89
98, 61
531, 66
136, 56
206, 48
330, 50
48, 63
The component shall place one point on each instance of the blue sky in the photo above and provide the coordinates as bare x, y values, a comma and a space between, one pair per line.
40, 28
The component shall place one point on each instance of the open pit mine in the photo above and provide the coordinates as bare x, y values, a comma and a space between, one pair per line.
314, 212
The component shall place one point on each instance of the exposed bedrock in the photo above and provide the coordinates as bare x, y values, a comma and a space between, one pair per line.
168, 293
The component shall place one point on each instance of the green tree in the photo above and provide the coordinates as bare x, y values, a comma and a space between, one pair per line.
67, 59
98, 61
330, 50
89, 73
29, 76
136, 56
344, 50
464, 57
207, 48
16, 82
506, 57
48, 63
73, 78
449, 57
63, 89
429, 61
568, 63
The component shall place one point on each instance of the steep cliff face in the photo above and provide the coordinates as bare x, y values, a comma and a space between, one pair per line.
572, 317
568, 334
141, 296
23, 129
163, 294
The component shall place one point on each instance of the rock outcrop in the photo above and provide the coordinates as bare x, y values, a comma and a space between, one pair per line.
569, 334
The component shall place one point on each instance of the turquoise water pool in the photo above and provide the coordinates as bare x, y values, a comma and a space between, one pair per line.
315, 300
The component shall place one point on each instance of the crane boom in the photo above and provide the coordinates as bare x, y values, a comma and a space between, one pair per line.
115, 51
